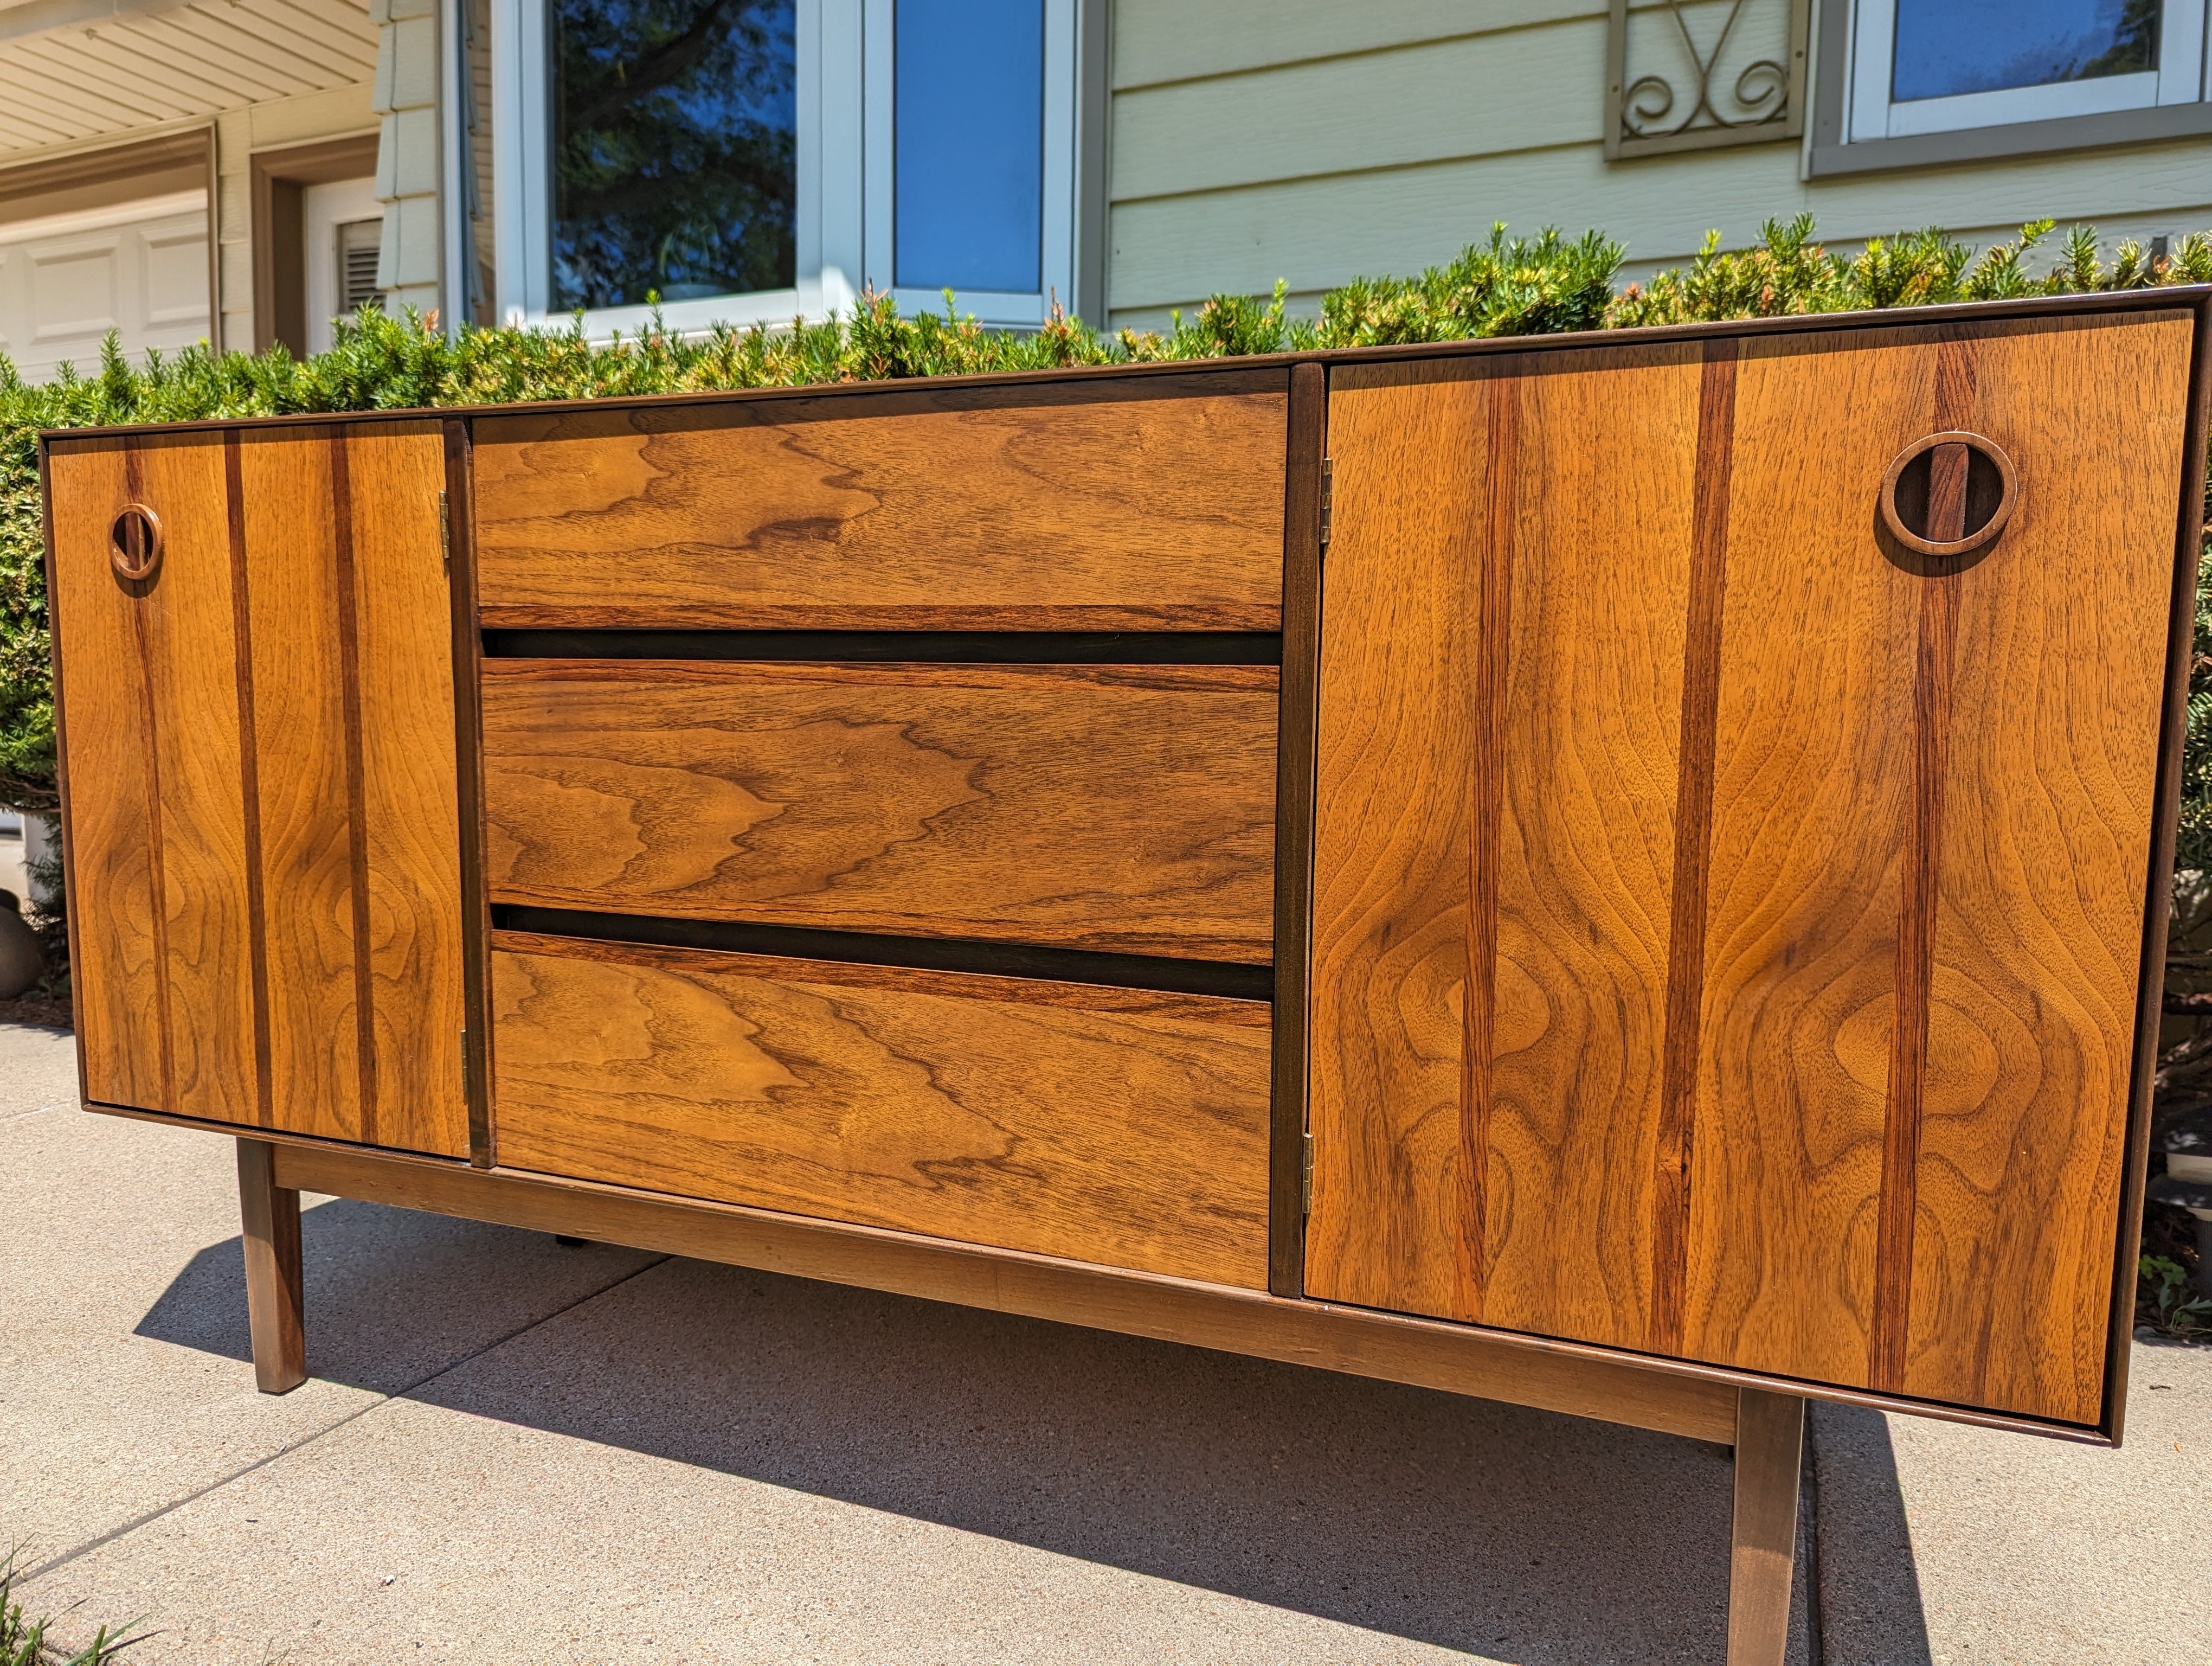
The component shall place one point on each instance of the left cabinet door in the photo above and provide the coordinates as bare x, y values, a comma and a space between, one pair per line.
259, 774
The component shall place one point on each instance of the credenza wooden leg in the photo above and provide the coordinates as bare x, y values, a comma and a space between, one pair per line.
270, 1217
1770, 1434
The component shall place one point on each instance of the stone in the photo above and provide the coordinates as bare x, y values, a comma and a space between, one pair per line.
22, 958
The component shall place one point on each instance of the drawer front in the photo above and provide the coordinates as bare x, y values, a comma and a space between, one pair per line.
1111, 1126
1128, 809
1154, 504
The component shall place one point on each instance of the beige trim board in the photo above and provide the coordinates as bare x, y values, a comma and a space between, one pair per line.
2164, 122
1830, 157
38, 16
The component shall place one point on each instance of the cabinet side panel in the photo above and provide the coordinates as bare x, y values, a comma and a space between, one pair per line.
1109, 1125
299, 723
193, 665
1590, 732
111, 836
1393, 849
409, 810
2053, 733
1813, 767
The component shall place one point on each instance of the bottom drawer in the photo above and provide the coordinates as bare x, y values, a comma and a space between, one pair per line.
1109, 1125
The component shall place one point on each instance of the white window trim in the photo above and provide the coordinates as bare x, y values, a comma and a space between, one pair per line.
2180, 79
844, 206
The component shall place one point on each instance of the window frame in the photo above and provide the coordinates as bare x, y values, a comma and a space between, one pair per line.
1840, 146
1056, 226
844, 226
2178, 79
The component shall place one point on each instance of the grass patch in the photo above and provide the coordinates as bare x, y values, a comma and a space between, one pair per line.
23, 1642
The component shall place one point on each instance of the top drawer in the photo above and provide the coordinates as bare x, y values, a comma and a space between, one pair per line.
1138, 503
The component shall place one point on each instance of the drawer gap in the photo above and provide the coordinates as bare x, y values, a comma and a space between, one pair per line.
1024, 647
1126, 971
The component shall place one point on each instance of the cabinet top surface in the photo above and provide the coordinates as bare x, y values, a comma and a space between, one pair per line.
1260, 372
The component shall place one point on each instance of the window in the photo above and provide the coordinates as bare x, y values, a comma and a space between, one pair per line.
1938, 66
675, 157
750, 160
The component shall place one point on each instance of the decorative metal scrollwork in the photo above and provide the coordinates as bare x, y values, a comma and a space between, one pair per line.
1695, 100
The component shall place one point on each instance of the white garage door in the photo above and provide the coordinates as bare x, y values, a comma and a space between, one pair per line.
67, 279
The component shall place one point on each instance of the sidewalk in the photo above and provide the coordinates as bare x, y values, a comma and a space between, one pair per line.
517, 1452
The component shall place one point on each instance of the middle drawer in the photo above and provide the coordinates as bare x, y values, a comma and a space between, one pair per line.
1124, 808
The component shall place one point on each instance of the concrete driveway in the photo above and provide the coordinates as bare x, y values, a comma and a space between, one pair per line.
512, 1451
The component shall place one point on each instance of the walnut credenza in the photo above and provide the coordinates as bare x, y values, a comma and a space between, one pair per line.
1625, 874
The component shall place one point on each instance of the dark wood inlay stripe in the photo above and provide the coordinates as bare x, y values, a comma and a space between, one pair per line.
470, 646
1492, 683
1693, 825
134, 483
364, 987
1297, 715
256, 930
1916, 923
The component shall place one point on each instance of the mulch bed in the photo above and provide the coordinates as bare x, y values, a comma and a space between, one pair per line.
30, 1009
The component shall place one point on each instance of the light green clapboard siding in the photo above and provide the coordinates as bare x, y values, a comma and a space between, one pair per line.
1163, 40
1313, 142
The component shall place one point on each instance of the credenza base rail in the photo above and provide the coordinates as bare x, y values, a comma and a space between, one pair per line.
1764, 1427
1670, 1396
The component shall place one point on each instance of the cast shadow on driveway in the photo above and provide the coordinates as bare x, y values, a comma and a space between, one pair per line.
1546, 1540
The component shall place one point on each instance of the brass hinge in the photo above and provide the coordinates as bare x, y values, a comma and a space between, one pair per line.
445, 534
1328, 497
1306, 1192
464, 1064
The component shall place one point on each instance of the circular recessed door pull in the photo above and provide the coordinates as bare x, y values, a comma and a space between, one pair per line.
1949, 493
135, 542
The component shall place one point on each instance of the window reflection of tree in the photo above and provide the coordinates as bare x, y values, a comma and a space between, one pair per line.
675, 162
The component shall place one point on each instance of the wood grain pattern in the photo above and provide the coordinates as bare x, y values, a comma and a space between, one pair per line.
1392, 850
1583, 1382
2052, 753
1812, 771
1693, 827
1112, 1126
1492, 650
1121, 808
257, 917
348, 592
107, 787
261, 735
299, 741
410, 815
1934, 661
1589, 532
191, 670
1149, 503
1603, 533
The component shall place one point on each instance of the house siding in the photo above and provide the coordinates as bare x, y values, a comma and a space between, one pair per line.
1329, 140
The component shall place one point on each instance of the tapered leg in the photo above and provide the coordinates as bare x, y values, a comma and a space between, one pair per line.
273, 1301
1770, 1435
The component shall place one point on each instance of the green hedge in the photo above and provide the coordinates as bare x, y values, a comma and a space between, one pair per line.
1506, 287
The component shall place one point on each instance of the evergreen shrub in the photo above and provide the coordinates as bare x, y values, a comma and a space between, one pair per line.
1504, 287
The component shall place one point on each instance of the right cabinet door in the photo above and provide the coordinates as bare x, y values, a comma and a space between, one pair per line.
1729, 916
